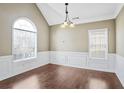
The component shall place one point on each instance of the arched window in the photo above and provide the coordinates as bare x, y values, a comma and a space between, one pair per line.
24, 39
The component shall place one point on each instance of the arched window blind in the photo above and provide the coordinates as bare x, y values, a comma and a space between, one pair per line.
24, 39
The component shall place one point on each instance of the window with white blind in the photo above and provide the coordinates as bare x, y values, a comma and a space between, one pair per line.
98, 43
24, 39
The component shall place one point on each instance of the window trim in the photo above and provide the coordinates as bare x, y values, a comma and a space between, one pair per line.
34, 26
106, 51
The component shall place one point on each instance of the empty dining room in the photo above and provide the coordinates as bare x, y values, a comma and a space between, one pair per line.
61, 46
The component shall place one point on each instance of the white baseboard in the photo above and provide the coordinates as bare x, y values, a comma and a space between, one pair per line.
9, 68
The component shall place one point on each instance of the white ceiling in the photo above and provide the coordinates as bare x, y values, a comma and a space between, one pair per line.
54, 13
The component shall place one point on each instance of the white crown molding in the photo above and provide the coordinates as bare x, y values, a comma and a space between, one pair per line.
117, 11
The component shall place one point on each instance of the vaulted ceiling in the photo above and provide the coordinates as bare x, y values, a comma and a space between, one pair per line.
79, 13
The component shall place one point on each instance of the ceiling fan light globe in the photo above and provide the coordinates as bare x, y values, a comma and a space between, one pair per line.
65, 23
63, 26
72, 25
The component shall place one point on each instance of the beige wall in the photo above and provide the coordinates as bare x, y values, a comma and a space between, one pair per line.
9, 13
120, 33
76, 39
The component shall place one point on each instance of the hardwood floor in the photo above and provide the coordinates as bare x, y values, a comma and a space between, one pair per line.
61, 77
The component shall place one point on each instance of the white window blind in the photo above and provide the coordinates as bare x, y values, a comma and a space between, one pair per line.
24, 40
98, 43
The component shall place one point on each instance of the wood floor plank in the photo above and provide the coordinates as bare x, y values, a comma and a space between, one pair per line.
62, 77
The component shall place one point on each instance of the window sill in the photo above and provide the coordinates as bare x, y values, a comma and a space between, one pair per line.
26, 59
95, 58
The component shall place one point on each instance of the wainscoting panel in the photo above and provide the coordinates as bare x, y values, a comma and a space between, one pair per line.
82, 60
67, 58
101, 64
5, 67
77, 61
9, 68
119, 69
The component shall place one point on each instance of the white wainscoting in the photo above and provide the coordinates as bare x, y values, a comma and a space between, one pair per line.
114, 63
5, 67
81, 60
119, 68
9, 68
